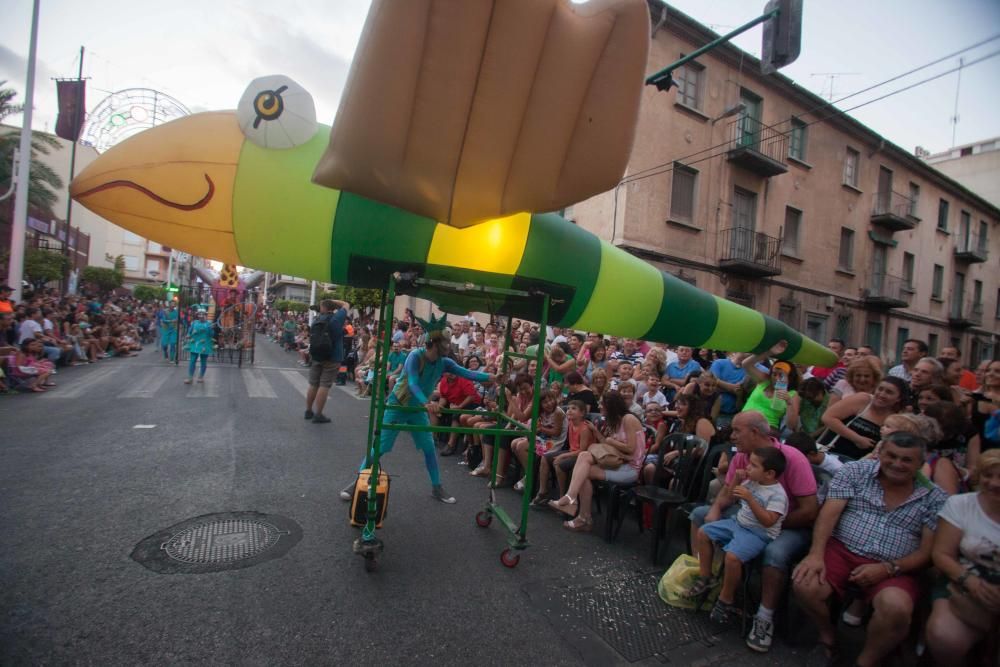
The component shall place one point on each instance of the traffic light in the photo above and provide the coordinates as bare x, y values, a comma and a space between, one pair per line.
782, 35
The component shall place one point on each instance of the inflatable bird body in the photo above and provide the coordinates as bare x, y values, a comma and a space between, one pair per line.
239, 188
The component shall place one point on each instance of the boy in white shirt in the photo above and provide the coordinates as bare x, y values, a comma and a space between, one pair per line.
653, 393
806, 444
763, 505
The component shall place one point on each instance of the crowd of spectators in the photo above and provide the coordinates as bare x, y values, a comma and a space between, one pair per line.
862, 483
47, 332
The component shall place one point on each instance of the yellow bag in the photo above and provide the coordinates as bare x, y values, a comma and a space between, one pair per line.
679, 577
359, 504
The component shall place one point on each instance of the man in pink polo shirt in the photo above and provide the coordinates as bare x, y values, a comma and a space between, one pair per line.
750, 432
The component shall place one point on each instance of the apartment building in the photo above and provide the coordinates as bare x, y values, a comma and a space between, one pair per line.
975, 165
753, 188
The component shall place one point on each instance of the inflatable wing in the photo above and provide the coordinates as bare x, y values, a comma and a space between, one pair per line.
468, 111
211, 187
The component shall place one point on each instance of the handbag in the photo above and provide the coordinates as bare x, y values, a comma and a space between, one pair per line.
606, 456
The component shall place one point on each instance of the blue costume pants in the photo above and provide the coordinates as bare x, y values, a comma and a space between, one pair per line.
424, 440
194, 359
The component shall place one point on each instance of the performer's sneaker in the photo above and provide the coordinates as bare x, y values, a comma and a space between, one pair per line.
309, 414
348, 492
438, 492
320, 419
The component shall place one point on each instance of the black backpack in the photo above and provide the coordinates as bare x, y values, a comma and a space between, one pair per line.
320, 343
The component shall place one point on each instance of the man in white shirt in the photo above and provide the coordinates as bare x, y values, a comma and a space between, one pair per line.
913, 351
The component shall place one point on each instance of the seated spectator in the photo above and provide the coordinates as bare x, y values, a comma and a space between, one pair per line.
853, 424
706, 387
689, 417
563, 459
31, 368
985, 404
558, 363
862, 375
926, 372
806, 444
550, 436
622, 432
679, 372
456, 393
945, 464
599, 384
774, 403
813, 402
596, 359
578, 391
763, 504
751, 431
933, 394
966, 547
873, 534
627, 391
653, 393
518, 409
729, 375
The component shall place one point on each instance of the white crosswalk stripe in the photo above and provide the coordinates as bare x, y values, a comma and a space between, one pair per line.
256, 384
79, 386
207, 389
149, 383
298, 381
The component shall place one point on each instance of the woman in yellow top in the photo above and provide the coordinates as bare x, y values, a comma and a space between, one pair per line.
775, 395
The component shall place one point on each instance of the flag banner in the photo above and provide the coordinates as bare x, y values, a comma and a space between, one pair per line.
72, 108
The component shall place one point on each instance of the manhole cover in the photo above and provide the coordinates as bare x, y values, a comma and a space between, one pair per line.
216, 542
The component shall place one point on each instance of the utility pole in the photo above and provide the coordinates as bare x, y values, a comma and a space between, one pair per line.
312, 302
20, 222
72, 170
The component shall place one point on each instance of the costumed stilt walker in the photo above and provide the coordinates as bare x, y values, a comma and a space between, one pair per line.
168, 332
422, 371
200, 344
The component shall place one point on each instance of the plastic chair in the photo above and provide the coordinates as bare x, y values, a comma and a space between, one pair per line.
667, 495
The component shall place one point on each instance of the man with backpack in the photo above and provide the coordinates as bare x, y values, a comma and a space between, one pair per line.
326, 350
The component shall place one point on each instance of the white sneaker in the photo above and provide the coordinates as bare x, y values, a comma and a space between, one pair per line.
520, 485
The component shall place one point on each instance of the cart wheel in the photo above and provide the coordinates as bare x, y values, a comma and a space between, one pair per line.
370, 563
509, 558
484, 519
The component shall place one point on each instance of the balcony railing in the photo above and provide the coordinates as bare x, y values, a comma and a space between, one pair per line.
886, 291
966, 314
972, 248
749, 253
757, 147
894, 211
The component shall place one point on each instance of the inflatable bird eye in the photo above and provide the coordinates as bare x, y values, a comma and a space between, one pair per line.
276, 112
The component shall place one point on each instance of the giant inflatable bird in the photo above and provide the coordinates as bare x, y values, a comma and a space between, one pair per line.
454, 126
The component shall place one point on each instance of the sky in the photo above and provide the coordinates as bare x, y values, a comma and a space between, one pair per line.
204, 53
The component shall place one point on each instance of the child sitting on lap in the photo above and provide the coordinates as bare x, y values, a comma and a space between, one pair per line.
763, 505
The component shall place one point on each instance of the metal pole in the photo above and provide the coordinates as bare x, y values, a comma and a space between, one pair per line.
312, 302
72, 170
170, 268
20, 222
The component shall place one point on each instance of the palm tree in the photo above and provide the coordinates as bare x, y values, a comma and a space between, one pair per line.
43, 181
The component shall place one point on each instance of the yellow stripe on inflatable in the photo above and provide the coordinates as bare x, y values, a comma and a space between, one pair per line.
495, 246
737, 326
629, 292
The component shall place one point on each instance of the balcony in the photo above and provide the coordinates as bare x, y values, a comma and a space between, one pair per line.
965, 315
757, 147
972, 248
749, 253
894, 211
885, 292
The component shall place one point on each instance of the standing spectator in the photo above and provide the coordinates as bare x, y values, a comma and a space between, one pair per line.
968, 379
913, 351
926, 372
837, 346
751, 431
729, 374
200, 344
873, 533
6, 305
325, 362
965, 551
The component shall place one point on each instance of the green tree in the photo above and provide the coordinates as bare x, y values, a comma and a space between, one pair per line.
43, 182
149, 293
364, 299
294, 306
43, 266
104, 280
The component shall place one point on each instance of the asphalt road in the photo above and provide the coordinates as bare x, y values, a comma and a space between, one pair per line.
123, 449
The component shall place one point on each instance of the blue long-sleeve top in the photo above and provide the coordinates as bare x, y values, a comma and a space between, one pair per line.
421, 377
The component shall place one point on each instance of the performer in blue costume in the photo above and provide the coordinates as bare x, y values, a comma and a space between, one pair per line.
200, 343
422, 371
168, 332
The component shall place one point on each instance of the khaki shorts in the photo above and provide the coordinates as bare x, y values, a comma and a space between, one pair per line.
322, 373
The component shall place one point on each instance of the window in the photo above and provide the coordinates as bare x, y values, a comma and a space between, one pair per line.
846, 257
816, 326
937, 285
682, 193
153, 246
131, 263
964, 230
132, 239
914, 198
984, 233
797, 142
965, 151
744, 209
932, 344
977, 296
908, 262
793, 222
942, 215
902, 334
843, 326
851, 163
689, 80
152, 267
873, 337
788, 312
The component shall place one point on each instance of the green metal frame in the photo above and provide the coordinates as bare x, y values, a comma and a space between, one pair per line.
516, 532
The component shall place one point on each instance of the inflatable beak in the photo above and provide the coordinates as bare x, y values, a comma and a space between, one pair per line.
172, 183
